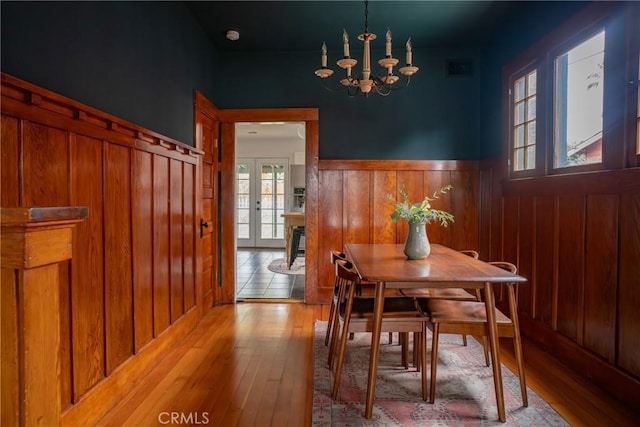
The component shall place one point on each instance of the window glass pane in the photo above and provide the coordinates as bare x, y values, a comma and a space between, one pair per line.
531, 83
531, 108
519, 136
531, 133
519, 161
519, 113
518, 90
579, 94
531, 157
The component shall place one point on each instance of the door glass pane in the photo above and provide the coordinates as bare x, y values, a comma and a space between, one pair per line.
272, 197
243, 179
579, 95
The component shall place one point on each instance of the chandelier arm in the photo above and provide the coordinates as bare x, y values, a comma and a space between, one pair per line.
351, 91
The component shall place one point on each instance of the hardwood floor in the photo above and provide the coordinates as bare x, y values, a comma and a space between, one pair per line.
251, 364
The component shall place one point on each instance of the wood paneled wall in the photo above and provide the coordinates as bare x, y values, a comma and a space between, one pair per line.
577, 239
354, 208
131, 281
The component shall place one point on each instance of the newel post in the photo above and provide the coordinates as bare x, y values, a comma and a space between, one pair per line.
33, 242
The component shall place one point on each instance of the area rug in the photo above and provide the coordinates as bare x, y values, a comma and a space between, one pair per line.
464, 394
279, 265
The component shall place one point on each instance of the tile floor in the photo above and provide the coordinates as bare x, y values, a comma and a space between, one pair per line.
255, 280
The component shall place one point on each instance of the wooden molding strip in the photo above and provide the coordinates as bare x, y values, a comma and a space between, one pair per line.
403, 165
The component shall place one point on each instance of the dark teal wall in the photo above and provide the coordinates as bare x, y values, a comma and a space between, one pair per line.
142, 60
436, 117
137, 60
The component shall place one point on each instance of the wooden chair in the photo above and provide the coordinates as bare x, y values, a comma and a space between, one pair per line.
355, 314
470, 318
448, 293
333, 256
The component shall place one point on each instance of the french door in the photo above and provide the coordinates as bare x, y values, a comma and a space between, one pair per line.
260, 201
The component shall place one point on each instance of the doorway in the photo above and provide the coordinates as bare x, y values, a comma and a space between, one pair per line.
270, 184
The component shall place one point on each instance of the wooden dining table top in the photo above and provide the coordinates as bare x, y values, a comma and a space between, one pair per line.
388, 263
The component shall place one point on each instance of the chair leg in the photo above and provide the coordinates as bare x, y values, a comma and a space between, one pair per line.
464, 340
485, 347
517, 344
434, 361
343, 344
404, 342
336, 322
416, 352
423, 360
332, 310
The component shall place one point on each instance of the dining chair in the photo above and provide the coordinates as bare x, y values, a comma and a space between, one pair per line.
470, 318
355, 314
333, 256
457, 294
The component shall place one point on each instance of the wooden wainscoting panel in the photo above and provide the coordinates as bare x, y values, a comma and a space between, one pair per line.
545, 237
45, 179
601, 260
176, 239
10, 158
117, 255
330, 237
525, 220
384, 230
464, 206
115, 298
161, 279
510, 236
629, 288
570, 266
142, 243
356, 206
87, 284
189, 224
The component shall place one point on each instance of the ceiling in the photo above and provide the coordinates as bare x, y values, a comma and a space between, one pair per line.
295, 26
276, 131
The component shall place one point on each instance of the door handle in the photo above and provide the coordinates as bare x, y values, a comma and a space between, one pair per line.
203, 224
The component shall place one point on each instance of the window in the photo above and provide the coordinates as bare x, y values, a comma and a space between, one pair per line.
579, 95
524, 122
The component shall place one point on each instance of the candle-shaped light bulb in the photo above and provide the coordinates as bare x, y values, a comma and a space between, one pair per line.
409, 55
345, 41
324, 55
388, 45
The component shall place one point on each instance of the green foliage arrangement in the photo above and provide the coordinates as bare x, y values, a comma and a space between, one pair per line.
421, 211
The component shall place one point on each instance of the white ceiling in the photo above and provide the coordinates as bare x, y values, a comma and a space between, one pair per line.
270, 131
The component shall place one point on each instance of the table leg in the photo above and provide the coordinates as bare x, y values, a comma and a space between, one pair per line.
378, 308
490, 306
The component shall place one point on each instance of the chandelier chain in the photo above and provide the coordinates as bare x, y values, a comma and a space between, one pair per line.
366, 16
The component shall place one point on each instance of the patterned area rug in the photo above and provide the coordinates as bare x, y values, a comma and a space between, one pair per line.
464, 394
279, 265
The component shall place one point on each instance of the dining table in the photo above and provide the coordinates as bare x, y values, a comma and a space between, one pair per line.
387, 266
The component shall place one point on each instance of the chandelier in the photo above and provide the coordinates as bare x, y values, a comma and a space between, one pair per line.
367, 82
